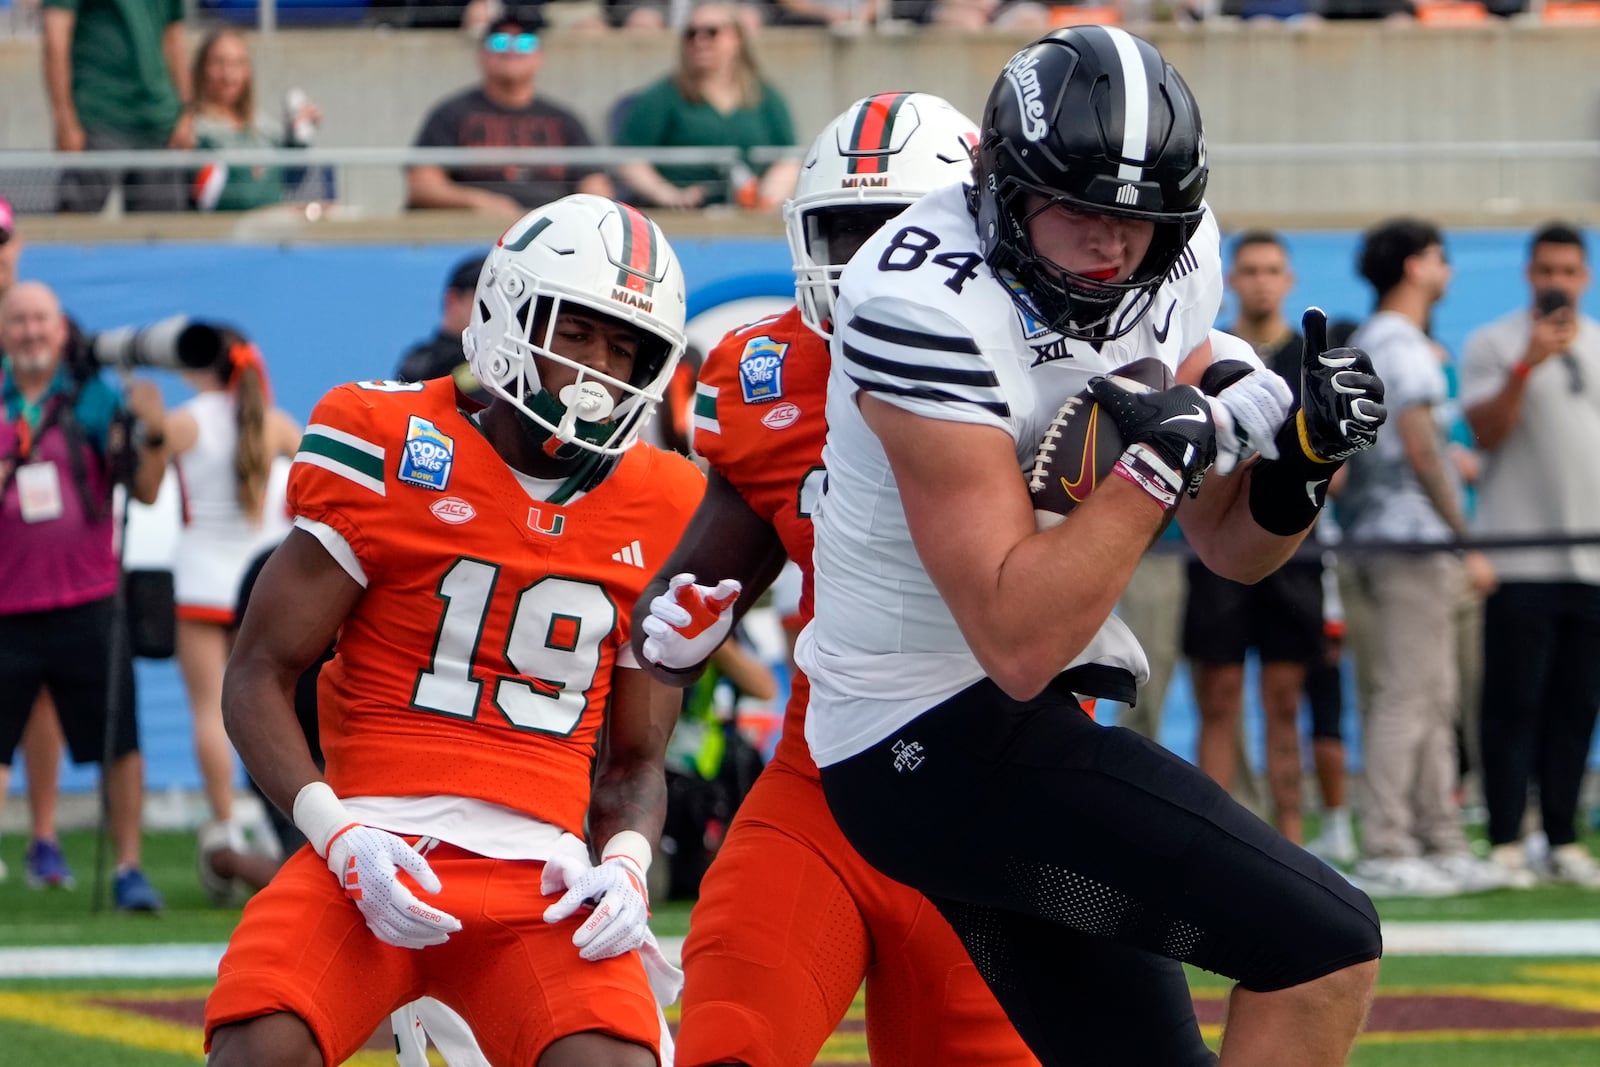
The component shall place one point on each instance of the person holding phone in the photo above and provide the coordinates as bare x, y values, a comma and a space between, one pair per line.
1530, 384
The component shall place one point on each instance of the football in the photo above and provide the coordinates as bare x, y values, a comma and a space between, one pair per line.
1081, 445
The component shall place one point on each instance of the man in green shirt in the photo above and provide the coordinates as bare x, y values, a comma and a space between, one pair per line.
116, 72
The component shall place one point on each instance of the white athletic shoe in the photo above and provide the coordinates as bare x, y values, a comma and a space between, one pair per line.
1474, 875
1336, 844
212, 838
1403, 876
1513, 859
1573, 865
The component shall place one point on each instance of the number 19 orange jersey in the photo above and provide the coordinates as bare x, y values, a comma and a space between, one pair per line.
760, 420
478, 663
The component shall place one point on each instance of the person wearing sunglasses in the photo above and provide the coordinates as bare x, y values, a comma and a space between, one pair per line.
502, 111
715, 97
1526, 384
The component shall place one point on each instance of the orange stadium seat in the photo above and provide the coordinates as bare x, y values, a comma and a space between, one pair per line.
1572, 11
1452, 12
1094, 15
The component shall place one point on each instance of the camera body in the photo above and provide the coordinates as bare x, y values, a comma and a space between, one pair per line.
1549, 301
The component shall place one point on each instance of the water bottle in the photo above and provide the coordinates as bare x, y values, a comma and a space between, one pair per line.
300, 126
744, 188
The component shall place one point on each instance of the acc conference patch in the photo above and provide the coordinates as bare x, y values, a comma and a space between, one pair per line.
761, 370
428, 456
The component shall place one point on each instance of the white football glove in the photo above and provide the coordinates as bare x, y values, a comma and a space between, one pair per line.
367, 862
1248, 414
688, 622
620, 921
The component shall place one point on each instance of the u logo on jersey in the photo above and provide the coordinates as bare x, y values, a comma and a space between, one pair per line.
428, 456
550, 522
761, 369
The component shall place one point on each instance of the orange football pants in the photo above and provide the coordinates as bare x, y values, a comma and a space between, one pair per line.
302, 947
791, 920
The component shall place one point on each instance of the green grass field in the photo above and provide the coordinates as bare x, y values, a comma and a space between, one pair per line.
1449, 1011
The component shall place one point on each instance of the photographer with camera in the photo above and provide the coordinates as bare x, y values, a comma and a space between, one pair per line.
66, 439
1530, 383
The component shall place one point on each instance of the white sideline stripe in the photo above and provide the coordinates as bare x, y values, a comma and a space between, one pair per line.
1529, 937
1525, 937
149, 961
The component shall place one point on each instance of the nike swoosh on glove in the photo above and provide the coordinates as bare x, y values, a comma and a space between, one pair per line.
368, 862
620, 921
1249, 405
688, 622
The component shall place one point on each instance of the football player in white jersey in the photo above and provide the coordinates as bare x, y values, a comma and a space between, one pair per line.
953, 640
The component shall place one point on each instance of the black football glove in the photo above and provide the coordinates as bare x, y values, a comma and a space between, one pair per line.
1341, 399
1169, 440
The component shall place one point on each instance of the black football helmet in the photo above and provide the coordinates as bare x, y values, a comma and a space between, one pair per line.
1094, 119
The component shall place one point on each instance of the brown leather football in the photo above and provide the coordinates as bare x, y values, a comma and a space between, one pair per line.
1081, 445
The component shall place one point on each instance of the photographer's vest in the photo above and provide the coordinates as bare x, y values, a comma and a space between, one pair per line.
65, 560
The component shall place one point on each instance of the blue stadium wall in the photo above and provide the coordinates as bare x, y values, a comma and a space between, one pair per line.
324, 314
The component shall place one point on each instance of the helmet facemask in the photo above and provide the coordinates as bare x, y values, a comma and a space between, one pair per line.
823, 239
1068, 303
583, 417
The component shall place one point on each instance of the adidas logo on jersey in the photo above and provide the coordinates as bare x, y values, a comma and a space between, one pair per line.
632, 555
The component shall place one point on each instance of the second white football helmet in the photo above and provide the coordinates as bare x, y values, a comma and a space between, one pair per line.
864, 168
606, 257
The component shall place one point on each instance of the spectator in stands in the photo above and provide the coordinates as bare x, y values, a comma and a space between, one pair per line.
441, 354
716, 97
1531, 387
10, 246
502, 112
841, 14
226, 116
1152, 606
645, 15
60, 435
224, 442
1405, 489
117, 77
1279, 616
42, 741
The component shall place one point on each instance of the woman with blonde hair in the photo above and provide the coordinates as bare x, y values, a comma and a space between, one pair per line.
226, 116
225, 442
716, 97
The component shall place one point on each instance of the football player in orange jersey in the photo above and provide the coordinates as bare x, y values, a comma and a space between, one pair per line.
478, 567
790, 919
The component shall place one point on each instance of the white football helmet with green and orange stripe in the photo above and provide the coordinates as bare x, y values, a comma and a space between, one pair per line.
606, 257
866, 165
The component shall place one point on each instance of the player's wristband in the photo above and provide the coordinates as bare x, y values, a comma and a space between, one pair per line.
320, 816
1144, 467
631, 847
1287, 493
1521, 369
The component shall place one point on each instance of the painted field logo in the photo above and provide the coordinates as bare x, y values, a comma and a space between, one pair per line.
781, 417
1021, 72
454, 510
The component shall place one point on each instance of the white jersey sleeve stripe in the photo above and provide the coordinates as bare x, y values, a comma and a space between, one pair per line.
900, 335
885, 358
